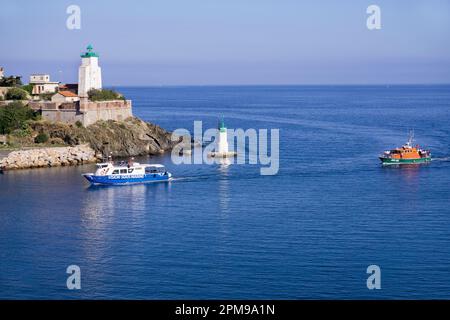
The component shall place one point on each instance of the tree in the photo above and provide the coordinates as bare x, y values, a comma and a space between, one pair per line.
11, 81
46, 96
16, 94
14, 116
28, 88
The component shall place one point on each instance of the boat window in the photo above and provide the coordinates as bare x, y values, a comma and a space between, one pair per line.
116, 171
123, 170
130, 170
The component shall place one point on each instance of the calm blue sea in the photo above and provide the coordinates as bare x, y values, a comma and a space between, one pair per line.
228, 232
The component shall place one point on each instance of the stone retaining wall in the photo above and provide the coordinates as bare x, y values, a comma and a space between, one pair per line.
117, 110
87, 112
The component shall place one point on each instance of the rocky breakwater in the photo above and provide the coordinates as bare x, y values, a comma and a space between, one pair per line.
49, 157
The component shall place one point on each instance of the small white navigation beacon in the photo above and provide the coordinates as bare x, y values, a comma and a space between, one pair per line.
222, 142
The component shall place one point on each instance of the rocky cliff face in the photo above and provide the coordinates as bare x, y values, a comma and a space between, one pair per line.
131, 137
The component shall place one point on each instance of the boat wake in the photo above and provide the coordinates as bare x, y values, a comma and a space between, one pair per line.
444, 159
193, 178
179, 179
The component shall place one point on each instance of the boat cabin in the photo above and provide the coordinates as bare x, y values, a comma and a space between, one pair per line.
109, 168
155, 168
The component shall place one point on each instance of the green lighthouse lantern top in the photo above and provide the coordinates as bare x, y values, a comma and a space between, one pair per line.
89, 53
222, 127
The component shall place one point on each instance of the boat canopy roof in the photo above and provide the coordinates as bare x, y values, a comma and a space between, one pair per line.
154, 166
126, 165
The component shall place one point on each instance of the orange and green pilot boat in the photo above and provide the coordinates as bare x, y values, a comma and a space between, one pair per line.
407, 154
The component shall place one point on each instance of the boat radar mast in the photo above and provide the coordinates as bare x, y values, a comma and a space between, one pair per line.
411, 139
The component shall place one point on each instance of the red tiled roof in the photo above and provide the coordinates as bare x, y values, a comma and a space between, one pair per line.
67, 94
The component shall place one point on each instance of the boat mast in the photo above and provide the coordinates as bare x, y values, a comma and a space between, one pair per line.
411, 138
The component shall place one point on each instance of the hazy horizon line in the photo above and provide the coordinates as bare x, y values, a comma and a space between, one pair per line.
279, 85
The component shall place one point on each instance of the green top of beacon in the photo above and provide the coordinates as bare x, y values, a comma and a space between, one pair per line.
89, 53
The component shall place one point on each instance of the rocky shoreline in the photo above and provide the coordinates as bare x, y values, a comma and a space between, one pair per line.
49, 157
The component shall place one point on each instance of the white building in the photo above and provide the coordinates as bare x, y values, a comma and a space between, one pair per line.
42, 84
64, 97
1, 72
89, 73
39, 78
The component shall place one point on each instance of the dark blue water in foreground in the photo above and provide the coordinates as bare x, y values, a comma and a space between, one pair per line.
228, 232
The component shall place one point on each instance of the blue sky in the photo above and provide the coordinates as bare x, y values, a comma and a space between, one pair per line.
209, 42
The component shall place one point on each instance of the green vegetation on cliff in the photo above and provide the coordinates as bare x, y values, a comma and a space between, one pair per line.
104, 95
15, 116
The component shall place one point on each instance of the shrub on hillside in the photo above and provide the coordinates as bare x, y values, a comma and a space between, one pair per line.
16, 94
41, 138
24, 131
104, 95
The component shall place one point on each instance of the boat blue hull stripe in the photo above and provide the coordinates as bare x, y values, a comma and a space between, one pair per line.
125, 179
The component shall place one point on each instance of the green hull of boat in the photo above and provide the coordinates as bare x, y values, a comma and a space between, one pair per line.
405, 161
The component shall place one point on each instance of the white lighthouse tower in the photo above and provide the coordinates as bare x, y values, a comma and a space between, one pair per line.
221, 147
222, 141
89, 73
